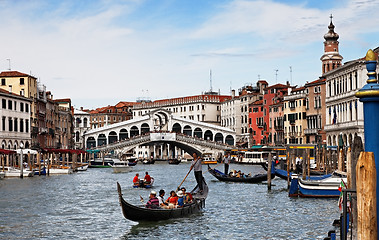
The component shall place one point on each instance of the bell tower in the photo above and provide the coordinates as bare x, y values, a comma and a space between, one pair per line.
331, 59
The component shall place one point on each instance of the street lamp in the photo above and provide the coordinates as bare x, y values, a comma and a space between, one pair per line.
21, 161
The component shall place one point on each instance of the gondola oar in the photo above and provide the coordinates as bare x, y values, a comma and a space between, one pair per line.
184, 179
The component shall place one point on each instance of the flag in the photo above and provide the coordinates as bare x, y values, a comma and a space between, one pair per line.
340, 200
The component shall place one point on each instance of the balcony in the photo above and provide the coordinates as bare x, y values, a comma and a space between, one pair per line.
311, 131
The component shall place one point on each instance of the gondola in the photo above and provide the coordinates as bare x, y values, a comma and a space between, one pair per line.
174, 161
141, 213
225, 178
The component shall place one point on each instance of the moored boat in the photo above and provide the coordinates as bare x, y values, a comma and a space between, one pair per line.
246, 179
141, 213
326, 187
82, 167
16, 172
58, 169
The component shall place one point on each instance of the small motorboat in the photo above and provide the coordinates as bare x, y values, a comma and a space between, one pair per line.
143, 184
120, 166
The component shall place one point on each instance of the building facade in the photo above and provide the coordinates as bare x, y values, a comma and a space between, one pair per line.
15, 120
316, 117
295, 117
202, 108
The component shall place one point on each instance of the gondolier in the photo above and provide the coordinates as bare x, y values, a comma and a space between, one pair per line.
226, 163
198, 170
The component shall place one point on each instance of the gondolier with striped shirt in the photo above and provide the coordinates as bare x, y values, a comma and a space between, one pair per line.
198, 171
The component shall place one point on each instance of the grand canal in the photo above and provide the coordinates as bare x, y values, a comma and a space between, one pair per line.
85, 205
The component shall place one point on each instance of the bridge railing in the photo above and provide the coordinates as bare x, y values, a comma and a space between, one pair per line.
145, 138
202, 142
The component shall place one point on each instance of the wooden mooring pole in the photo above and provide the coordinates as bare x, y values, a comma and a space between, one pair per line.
269, 171
366, 197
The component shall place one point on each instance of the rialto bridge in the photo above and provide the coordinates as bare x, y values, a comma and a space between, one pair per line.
164, 135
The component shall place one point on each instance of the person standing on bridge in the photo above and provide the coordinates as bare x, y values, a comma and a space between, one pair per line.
198, 170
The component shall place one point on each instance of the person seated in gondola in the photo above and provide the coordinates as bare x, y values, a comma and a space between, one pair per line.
186, 195
153, 200
136, 180
180, 200
238, 175
160, 197
147, 179
172, 200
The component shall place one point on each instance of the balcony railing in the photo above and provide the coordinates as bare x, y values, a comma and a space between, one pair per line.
311, 131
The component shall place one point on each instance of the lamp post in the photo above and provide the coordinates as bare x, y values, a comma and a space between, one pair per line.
21, 161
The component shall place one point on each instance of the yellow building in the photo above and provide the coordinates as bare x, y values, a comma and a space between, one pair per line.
295, 117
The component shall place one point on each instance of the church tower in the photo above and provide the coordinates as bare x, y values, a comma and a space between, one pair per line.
331, 58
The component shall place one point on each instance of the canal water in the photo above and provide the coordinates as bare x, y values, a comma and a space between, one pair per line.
85, 205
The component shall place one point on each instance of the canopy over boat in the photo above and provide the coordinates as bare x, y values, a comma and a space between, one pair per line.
226, 178
141, 213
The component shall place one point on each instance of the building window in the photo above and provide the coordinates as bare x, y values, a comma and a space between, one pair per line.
4, 103
3, 82
21, 106
15, 125
9, 104
27, 125
3, 123
22, 81
26, 107
10, 124
21, 125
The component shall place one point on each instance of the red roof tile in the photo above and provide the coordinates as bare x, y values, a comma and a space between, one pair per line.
14, 74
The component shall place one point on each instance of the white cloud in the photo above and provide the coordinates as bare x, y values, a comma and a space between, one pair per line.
101, 53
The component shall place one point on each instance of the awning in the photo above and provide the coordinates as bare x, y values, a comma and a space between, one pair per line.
4, 151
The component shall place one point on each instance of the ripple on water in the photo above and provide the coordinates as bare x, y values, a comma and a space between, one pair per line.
85, 205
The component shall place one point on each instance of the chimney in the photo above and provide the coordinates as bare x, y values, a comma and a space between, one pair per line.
81, 108
10, 88
233, 93
288, 83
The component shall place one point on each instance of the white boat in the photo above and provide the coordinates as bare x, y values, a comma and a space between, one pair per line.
83, 167
2, 175
120, 166
59, 170
16, 172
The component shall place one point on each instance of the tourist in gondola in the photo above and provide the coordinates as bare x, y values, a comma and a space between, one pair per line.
180, 200
136, 179
147, 179
172, 200
198, 171
160, 197
186, 195
226, 163
153, 200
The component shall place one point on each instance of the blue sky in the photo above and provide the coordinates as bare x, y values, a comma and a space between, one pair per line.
100, 52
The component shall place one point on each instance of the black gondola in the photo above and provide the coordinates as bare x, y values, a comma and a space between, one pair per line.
174, 161
226, 178
141, 213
